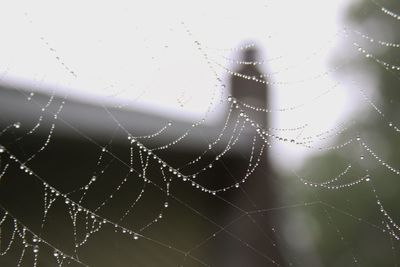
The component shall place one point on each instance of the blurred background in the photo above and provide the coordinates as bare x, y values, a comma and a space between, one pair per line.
199, 134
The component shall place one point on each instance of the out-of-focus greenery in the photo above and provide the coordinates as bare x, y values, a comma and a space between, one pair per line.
350, 225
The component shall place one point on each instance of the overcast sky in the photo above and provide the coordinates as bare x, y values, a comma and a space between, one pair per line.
139, 53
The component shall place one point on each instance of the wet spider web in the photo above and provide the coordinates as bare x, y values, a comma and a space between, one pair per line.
134, 193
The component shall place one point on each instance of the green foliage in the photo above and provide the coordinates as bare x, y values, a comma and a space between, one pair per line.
350, 219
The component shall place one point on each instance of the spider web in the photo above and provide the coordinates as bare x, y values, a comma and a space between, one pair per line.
104, 181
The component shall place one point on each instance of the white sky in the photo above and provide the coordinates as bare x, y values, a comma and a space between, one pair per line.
139, 50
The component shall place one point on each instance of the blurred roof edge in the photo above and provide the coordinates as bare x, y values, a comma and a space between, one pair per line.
87, 118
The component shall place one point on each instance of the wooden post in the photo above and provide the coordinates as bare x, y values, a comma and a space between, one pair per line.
257, 232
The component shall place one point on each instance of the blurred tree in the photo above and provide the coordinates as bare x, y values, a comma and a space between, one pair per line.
350, 223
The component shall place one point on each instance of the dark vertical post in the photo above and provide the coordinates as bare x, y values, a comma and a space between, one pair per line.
258, 245
251, 91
